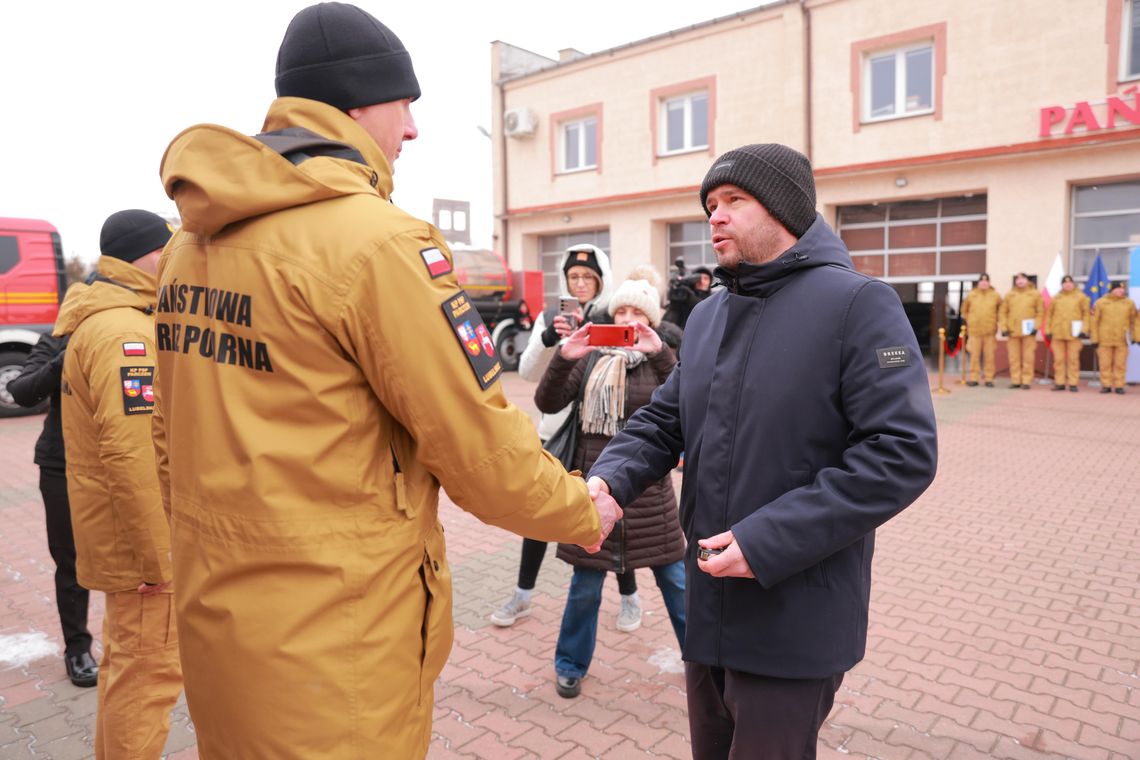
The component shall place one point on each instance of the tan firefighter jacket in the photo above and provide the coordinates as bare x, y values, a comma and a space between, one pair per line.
1018, 305
1065, 309
322, 374
121, 535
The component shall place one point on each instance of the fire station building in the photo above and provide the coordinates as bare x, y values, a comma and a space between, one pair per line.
949, 137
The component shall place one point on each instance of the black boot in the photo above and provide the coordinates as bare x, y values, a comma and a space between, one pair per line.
82, 669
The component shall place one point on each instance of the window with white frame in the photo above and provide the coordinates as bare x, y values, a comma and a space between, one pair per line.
1105, 219
684, 123
692, 242
899, 82
1130, 45
579, 144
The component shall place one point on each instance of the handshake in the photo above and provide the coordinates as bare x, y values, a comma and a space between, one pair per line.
608, 511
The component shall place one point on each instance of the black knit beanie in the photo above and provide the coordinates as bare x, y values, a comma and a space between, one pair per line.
341, 55
132, 234
777, 176
582, 256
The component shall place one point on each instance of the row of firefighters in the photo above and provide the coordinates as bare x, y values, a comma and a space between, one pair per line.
1070, 318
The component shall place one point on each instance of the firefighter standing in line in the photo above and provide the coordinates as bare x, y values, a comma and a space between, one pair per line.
122, 538
321, 375
1022, 303
1114, 316
1069, 307
980, 313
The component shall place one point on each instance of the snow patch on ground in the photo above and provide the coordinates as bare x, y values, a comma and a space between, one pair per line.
667, 660
19, 649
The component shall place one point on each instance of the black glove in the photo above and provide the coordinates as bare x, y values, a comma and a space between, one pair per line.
550, 335
1049, 336
1032, 332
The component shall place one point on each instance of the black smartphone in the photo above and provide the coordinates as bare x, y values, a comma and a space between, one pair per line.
707, 554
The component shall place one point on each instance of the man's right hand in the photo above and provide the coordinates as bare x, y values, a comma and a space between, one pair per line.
608, 511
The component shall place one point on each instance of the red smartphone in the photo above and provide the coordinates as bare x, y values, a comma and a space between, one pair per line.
612, 335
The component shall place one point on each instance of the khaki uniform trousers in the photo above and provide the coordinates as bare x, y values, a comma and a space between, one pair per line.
1066, 361
1113, 360
1022, 352
140, 676
981, 349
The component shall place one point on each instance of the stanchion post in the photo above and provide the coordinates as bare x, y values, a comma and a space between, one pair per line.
941, 360
962, 353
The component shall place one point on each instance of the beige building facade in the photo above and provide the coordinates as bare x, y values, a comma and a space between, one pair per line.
949, 137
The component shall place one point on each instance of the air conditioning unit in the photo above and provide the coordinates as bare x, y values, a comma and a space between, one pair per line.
520, 122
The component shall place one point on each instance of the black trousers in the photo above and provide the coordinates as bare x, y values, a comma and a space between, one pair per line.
735, 715
70, 598
533, 553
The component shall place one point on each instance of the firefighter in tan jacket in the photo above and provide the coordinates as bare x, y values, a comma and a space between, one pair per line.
321, 376
1066, 321
1021, 315
122, 539
1114, 317
980, 311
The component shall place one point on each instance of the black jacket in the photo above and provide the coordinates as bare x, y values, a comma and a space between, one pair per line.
39, 380
803, 407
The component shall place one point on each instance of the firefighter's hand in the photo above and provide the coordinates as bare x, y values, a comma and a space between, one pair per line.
577, 345
151, 589
730, 563
608, 511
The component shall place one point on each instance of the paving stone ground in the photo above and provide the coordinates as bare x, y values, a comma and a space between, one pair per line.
1005, 617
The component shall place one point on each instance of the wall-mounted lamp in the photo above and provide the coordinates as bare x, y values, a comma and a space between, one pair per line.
900, 181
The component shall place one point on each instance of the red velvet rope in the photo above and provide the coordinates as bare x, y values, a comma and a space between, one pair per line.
957, 347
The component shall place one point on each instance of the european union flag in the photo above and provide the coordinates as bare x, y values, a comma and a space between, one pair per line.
1097, 284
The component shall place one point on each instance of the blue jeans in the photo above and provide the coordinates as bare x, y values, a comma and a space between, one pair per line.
579, 632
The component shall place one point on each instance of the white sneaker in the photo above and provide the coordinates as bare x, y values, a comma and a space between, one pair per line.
515, 608
629, 619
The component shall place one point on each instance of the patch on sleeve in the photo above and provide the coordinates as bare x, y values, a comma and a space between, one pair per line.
137, 348
138, 389
894, 356
473, 337
437, 263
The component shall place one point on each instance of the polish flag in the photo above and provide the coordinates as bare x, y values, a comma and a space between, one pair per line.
437, 263
1052, 285
134, 349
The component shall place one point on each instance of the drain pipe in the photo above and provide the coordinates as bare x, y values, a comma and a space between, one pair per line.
806, 12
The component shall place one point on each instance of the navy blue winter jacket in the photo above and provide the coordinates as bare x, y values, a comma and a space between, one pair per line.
803, 407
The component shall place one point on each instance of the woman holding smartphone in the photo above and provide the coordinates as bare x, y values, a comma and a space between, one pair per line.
586, 286
614, 381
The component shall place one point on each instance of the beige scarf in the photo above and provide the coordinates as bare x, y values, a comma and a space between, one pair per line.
603, 403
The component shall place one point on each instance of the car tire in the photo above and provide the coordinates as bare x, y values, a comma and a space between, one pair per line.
11, 364
508, 351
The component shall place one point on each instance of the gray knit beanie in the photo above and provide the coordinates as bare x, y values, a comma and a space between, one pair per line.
341, 55
777, 176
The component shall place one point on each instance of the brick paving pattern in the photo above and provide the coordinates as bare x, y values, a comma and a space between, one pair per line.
1005, 615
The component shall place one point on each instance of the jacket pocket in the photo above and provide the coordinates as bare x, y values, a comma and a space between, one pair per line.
400, 483
437, 630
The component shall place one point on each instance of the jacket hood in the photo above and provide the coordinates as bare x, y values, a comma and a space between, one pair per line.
819, 246
218, 176
117, 285
602, 300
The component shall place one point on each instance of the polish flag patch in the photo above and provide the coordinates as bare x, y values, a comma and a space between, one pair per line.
437, 263
134, 349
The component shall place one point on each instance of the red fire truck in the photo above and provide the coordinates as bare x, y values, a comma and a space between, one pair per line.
32, 282
507, 301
